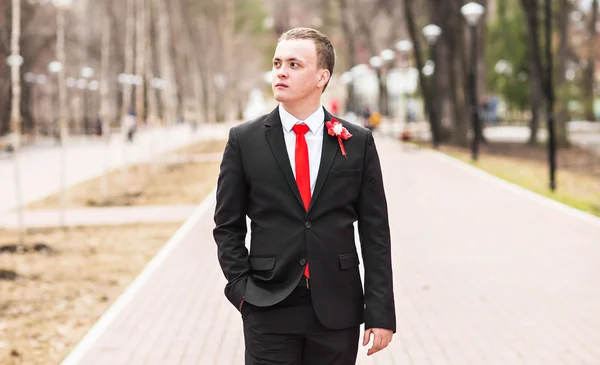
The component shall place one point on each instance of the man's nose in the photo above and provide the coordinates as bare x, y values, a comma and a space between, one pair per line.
282, 73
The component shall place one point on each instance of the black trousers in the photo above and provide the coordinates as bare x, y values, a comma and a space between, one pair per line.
289, 333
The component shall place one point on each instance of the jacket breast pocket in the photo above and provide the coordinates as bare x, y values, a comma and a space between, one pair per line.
348, 260
342, 173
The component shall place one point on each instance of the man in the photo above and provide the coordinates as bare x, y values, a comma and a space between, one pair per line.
299, 290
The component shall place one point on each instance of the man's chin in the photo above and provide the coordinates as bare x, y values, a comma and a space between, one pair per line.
281, 98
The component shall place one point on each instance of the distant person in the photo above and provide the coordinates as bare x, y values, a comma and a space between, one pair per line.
367, 117
334, 106
130, 123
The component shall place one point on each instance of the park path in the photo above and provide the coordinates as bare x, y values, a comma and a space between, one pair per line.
485, 273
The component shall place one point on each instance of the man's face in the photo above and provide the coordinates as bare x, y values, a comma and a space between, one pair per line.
296, 75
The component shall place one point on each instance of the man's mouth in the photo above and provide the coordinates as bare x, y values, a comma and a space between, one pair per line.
280, 84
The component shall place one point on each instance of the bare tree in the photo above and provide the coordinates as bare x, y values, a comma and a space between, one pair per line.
562, 114
129, 37
425, 88
104, 96
590, 71
167, 71
149, 69
531, 10
140, 58
15, 111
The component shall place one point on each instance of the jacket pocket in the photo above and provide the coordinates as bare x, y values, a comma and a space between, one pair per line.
262, 263
349, 260
341, 173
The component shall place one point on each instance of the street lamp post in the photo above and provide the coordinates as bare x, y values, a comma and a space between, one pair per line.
472, 13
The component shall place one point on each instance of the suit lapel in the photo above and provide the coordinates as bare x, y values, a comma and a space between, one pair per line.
330, 148
274, 135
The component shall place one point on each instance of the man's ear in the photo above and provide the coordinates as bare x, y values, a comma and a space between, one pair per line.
324, 77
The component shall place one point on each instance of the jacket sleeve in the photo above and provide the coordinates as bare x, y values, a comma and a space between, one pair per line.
230, 221
374, 232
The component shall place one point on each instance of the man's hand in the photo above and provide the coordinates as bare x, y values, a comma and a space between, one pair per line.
381, 339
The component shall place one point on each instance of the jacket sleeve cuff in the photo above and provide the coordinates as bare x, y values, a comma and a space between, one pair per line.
382, 319
235, 291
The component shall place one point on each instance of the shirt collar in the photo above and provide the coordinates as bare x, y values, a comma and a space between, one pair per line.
314, 121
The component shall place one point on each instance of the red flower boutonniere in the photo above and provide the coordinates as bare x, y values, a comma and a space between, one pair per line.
336, 129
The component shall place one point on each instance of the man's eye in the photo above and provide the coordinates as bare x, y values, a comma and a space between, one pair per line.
276, 64
294, 64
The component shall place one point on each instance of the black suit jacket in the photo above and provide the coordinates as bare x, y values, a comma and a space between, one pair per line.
256, 180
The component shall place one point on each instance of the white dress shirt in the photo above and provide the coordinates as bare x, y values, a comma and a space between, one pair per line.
314, 140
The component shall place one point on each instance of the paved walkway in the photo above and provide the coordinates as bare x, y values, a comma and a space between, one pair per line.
40, 165
100, 216
484, 274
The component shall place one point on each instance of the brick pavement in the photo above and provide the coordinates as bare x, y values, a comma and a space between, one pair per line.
483, 275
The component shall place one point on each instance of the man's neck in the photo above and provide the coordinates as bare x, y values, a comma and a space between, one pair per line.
301, 111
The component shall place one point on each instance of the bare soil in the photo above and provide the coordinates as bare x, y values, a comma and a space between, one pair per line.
174, 183
57, 285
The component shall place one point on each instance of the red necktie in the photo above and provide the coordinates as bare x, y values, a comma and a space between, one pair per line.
302, 169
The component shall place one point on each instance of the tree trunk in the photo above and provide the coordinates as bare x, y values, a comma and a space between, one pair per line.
83, 121
15, 68
430, 105
590, 71
149, 69
140, 59
129, 37
481, 44
452, 37
536, 80
166, 64
104, 101
441, 77
350, 53
562, 113
193, 66
15, 113
228, 91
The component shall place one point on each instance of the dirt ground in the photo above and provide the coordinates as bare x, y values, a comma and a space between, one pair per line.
56, 287
161, 184
214, 146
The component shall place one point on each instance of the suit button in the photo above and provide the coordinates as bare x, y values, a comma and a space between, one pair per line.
307, 224
302, 261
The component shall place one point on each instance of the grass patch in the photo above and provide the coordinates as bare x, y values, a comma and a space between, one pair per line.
574, 188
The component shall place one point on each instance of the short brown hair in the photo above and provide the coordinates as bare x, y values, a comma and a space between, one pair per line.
325, 50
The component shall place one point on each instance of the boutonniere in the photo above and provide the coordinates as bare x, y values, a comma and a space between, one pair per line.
336, 129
